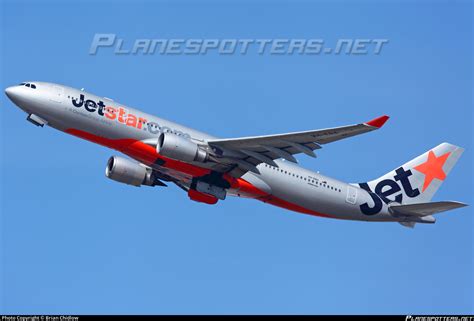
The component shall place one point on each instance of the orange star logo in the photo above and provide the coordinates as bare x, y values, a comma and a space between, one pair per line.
432, 168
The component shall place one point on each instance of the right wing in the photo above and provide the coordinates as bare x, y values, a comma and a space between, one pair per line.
246, 153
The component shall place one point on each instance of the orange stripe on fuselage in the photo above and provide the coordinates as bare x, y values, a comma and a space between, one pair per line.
148, 155
140, 151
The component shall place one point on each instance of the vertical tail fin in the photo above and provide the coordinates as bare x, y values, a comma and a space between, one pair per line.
418, 180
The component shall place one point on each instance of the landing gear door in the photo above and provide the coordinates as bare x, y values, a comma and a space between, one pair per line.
57, 94
351, 195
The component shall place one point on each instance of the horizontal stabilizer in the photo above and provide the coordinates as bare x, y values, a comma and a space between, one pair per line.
408, 224
424, 209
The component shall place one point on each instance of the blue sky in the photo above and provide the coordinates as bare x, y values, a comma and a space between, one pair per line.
73, 241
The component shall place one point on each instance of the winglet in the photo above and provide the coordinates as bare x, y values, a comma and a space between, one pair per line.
378, 122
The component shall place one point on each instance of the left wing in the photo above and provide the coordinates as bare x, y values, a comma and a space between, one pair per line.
247, 152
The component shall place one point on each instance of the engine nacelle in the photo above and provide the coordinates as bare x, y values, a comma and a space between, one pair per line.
129, 172
180, 148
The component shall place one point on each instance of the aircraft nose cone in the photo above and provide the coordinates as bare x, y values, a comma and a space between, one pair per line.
12, 93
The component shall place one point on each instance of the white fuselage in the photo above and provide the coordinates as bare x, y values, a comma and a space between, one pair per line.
111, 124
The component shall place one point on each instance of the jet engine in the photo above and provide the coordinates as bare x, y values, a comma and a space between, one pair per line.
129, 172
180, 148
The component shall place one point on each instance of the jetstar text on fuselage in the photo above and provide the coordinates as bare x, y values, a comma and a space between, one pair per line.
122, 116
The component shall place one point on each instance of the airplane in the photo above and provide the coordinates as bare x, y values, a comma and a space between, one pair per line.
264, 168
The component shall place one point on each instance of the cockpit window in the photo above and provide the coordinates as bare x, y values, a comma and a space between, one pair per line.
28, 85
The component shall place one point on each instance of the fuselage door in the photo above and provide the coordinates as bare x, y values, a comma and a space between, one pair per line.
351, 195
57, 94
